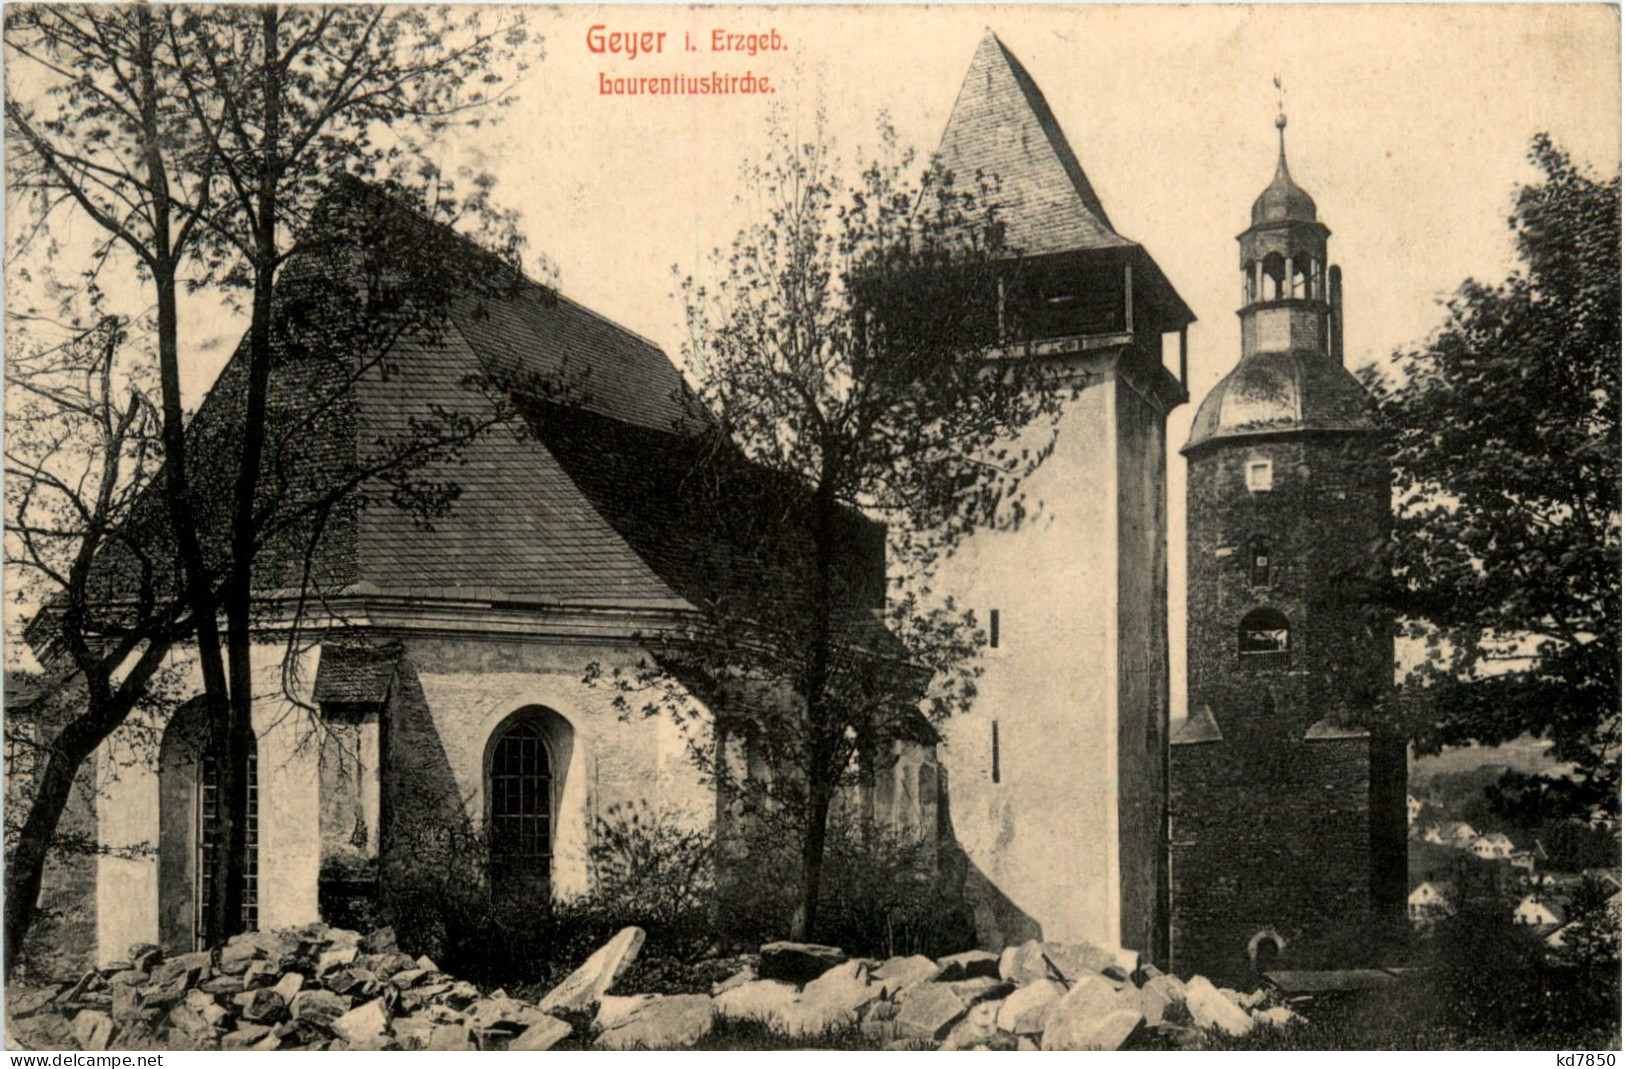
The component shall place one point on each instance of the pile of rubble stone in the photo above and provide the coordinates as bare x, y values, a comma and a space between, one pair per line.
321, 988
1036, 996
310, 988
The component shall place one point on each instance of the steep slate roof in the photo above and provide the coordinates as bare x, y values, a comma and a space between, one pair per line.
717, 529
1199, 726
355, 673
520, 529
1003, 127
580, 502
22, 689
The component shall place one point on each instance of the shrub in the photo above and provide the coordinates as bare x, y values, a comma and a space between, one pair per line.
880, 894
649, 869
692, 895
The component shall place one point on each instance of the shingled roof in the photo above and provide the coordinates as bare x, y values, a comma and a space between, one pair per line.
1275, 393
580, 502
1002, 129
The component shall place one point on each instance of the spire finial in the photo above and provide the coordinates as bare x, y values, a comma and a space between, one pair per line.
1280, 115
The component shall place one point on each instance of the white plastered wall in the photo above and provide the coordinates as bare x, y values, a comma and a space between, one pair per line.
128, 806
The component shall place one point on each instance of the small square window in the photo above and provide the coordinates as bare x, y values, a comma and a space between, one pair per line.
1260, 476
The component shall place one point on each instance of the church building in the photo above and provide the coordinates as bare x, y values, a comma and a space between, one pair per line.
438, 689
425, 709
1287, 804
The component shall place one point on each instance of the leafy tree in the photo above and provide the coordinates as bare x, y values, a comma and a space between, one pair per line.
203, 142
839, 349
80, 449
1504, 434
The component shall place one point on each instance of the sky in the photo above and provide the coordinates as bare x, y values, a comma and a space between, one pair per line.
1408, 124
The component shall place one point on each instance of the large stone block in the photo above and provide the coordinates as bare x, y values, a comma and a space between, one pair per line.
1209, 1008
1072, 1023
1024, 1012
755, 1000
582, 989
797, 963
670, 1022
928, 1012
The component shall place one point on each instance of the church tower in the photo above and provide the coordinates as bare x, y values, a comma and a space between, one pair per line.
1056, 789
1287, 825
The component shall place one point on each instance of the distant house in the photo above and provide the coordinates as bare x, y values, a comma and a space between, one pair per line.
1492, 846
1538, 912
1608, 923
1610, 877
1450, 833
1523, 859
1429, 901
1413, 808
1558, 939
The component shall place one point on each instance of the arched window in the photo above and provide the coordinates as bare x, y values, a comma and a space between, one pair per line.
927, 776
1302, 266
1274, 280
191, 832
519, 792
1264, 639
1264, 950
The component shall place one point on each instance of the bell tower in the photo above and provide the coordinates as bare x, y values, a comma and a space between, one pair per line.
1286, 801
1055, 800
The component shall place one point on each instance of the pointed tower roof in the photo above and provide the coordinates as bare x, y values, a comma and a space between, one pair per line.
1002, 126
1283, 200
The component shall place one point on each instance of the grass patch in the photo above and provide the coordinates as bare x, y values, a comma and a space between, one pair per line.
1460, 1009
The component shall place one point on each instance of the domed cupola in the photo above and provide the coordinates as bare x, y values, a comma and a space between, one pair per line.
1290, 378
1283, 200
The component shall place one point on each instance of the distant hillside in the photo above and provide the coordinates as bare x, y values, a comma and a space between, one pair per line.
1524, 755
1458, 780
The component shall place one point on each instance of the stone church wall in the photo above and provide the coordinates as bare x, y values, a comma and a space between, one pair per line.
450, 698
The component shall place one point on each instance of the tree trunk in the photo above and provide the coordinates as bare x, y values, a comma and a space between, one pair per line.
177, 474
25, 861
70, 749
238, 600
822, 728
805, 921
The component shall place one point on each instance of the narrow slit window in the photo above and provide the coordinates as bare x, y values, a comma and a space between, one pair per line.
993, 628
1259, 554
995, 751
